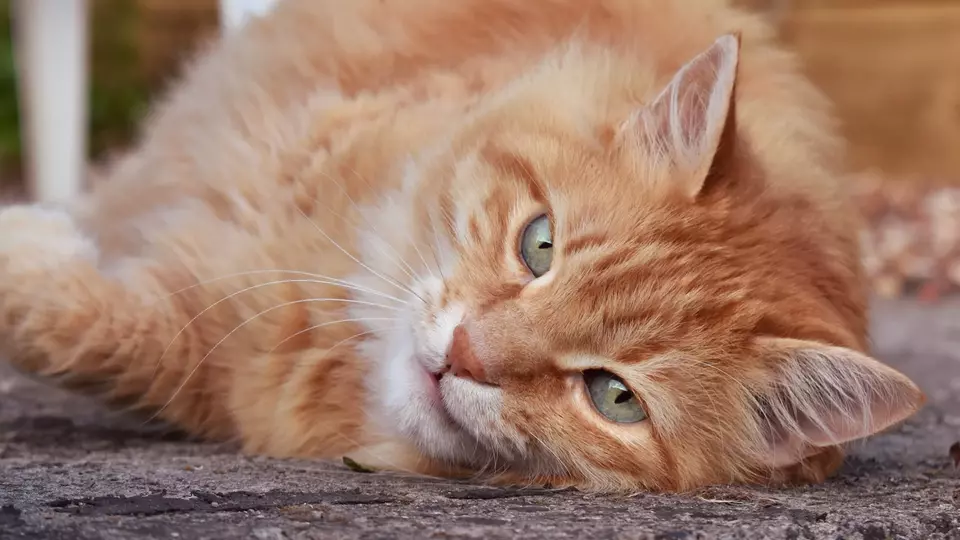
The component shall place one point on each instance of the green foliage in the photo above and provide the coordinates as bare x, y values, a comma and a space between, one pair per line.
9, 112
118, 94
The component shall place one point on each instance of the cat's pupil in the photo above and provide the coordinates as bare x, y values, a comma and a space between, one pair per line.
545, 245
623, 398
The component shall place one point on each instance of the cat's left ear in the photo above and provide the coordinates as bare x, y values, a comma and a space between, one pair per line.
817, 395
693, 117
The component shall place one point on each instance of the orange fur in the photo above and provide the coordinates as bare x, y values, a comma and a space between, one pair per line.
335, 188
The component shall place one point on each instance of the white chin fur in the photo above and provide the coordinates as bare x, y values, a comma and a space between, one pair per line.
460, 421
403, 395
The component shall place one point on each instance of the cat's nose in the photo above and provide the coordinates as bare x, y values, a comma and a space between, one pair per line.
461, 360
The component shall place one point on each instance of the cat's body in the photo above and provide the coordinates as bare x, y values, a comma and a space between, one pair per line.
321, 248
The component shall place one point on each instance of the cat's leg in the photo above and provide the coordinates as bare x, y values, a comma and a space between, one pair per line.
62, 317
237, 355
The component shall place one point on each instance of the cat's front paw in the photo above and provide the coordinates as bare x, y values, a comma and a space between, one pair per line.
38, 239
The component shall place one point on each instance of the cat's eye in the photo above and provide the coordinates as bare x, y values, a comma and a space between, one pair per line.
536, 246
612, 398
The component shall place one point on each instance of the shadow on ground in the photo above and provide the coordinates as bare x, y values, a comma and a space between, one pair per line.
70, 470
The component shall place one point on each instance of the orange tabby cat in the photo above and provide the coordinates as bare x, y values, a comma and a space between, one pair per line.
595, 243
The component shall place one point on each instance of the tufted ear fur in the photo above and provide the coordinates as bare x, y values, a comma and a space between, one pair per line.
818, 396
692, 118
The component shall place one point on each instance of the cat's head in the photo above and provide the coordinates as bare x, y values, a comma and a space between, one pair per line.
608, 291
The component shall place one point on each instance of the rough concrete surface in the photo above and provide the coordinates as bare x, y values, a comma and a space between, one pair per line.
69, 469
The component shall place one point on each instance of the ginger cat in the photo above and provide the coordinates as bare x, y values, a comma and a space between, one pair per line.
594, 243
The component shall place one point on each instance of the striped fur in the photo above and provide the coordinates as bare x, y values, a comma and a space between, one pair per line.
336, 191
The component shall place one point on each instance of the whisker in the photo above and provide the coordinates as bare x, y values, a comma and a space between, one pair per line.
418, 252
436, 245
447, 219
331, 281
393, 465
229, 296
380, 240
241, 325
409, 237
389, 462
325, 324
411, 273
354, 259
399, 258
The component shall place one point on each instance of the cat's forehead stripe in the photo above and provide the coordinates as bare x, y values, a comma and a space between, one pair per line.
516, 167
585, 241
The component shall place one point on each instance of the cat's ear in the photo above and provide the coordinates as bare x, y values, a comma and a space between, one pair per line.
817, 395
693, 117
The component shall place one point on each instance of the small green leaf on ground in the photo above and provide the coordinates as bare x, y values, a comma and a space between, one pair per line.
356, 467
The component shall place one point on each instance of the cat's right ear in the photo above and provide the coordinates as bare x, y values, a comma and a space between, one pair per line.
816, 395
692, 120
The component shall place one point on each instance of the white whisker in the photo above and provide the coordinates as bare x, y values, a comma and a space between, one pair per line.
354, 226
436, 245
411, 273
241, 325
382, 458
418, 252
236, 293
328, 280
325, 324
354, 259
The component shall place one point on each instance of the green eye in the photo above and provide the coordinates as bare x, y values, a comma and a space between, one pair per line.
536, 246
612, 398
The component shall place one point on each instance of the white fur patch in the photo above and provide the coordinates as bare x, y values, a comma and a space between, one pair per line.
34, 238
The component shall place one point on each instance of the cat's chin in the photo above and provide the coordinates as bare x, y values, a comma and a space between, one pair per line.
407, 399
431, 427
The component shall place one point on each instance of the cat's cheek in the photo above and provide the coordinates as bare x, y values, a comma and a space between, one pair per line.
477, 410
399, 382
409, 406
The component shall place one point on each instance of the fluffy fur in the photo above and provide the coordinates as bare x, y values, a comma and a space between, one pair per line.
314, 250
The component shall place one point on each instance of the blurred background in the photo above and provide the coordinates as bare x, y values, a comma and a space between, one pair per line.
892, 67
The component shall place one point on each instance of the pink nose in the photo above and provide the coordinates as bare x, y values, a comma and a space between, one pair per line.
460, 358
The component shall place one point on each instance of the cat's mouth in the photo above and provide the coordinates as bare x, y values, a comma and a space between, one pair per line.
433, 386
440, 401
436, 397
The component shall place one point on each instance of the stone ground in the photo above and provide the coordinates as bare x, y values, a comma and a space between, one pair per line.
70, 470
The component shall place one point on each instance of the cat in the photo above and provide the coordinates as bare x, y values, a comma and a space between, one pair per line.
604, 244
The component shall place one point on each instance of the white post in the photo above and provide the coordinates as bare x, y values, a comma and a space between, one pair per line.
52, 70
233, 13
